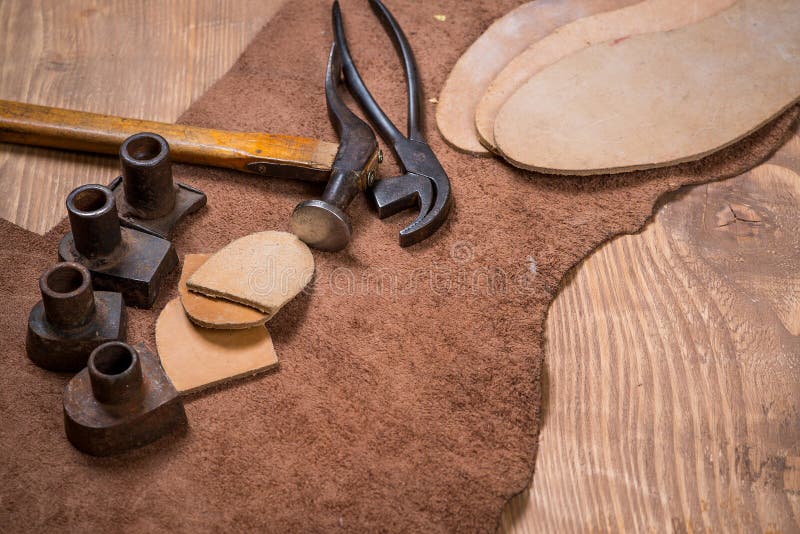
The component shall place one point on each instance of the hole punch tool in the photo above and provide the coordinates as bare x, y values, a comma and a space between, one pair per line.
72, 319
424, 183
123, 399
147, 198
120, 259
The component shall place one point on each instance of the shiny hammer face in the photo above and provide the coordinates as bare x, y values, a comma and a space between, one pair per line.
321, 225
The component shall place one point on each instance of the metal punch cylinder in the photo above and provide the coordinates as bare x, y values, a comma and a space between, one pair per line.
93, 217
115, 373
67, 295
147, 175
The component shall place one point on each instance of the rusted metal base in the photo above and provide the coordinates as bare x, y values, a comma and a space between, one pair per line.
187, 200
71, 320
136, 270
122, 400
66, 350
147, 198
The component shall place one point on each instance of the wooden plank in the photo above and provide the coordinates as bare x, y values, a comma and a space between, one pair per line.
673, 365
145, 59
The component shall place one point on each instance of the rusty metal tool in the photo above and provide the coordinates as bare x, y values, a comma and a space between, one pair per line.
147, 197
119, 258
123, 399
71, 320
323, 223
424, 183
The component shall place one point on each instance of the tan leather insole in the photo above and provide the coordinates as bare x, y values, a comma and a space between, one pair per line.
645, 17
264, 270
657, 99
505, 38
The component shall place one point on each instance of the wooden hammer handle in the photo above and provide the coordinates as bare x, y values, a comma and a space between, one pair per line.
273, 155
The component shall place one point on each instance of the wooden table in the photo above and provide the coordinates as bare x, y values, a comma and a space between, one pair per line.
673, 370
673, 355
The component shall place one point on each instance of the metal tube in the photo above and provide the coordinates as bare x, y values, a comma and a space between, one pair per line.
115, 373
93, 218
67, 295
147, 175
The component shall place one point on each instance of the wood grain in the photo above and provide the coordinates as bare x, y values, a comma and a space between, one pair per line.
147, 59
673, 363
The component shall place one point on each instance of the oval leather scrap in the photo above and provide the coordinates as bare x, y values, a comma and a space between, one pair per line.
657, 99
264, 270
213, 312
612, 26
485, 58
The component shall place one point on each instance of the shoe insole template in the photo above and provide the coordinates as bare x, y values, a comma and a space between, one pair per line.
657, 99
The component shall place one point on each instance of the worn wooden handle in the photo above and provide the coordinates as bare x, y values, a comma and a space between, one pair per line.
261, 153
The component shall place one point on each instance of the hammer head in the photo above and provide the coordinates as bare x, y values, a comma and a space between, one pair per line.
323, 223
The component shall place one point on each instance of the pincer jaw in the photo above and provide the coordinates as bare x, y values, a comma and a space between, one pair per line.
424, 186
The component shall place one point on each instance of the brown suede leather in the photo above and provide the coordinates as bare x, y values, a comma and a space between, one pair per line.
409, 392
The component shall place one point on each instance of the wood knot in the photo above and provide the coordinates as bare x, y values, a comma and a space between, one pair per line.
740, 219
